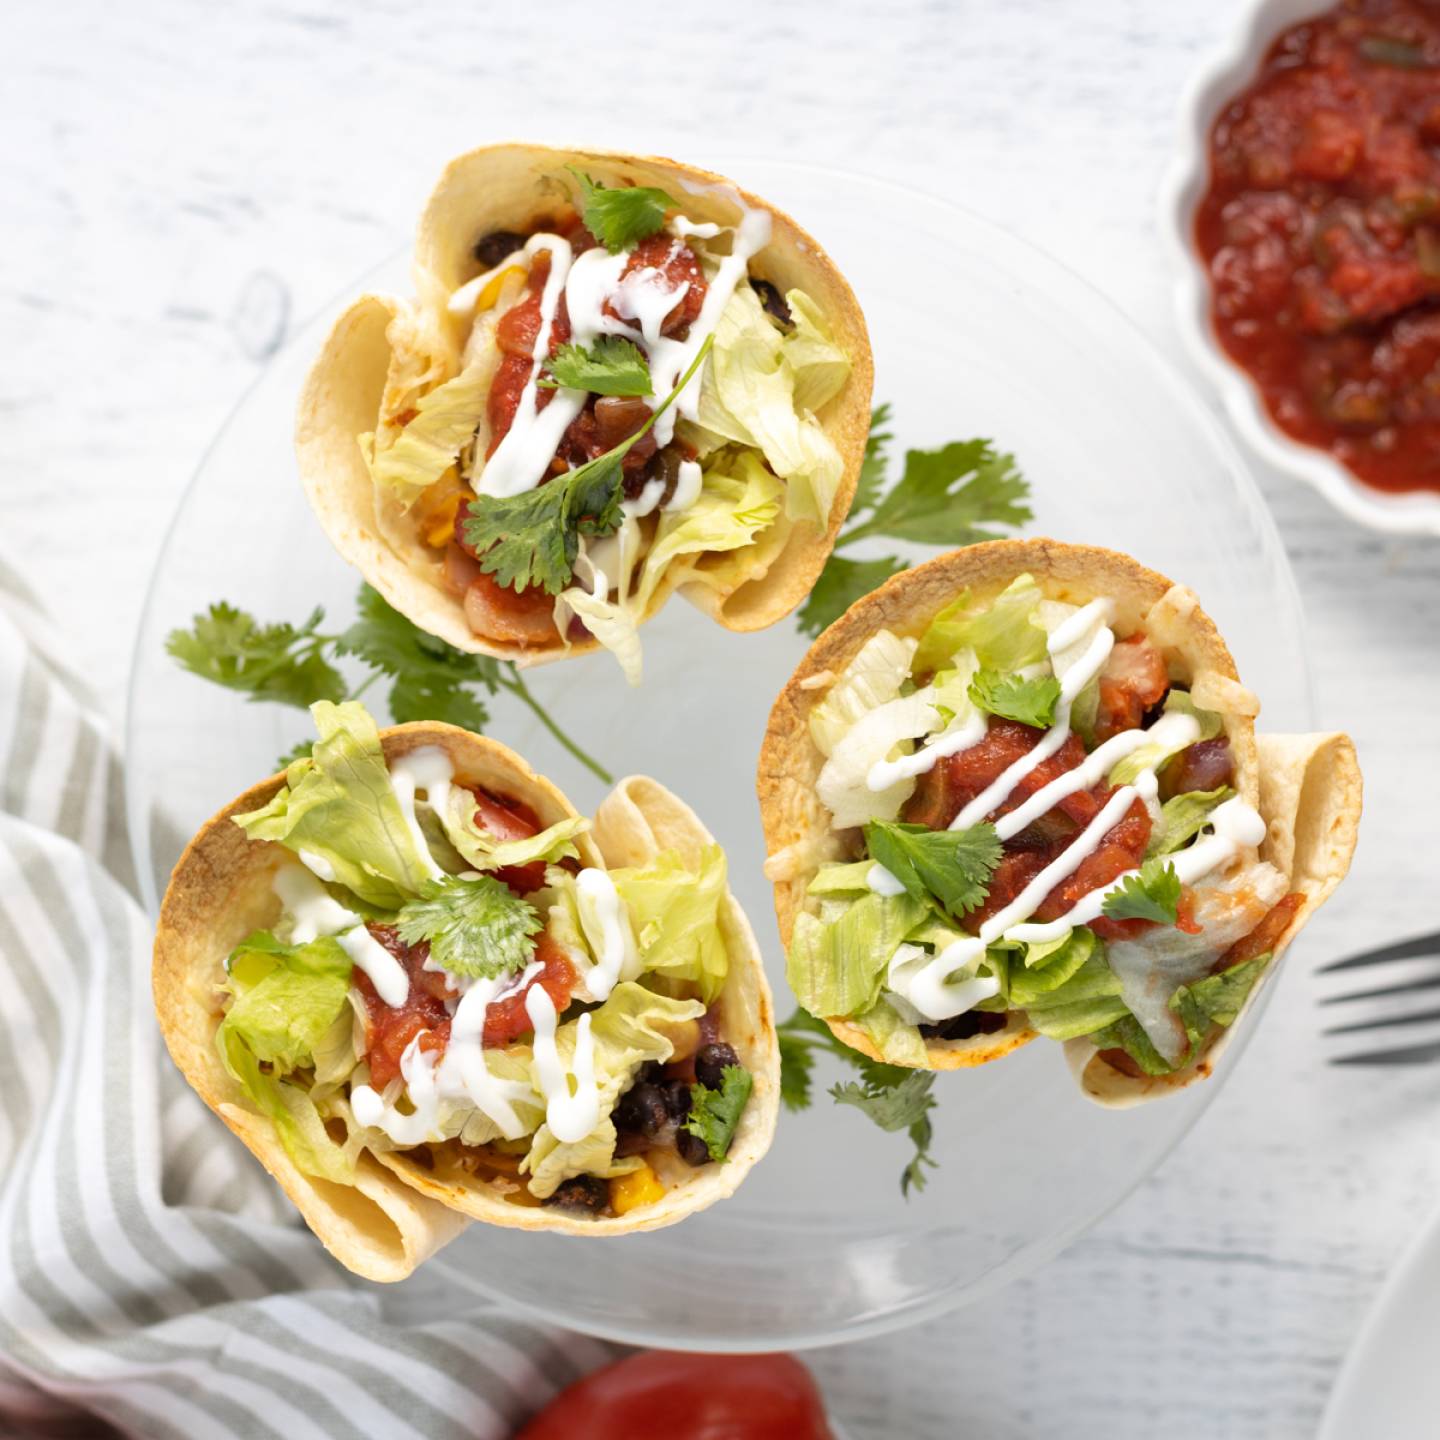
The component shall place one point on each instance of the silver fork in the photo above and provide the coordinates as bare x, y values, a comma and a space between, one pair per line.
1422, 947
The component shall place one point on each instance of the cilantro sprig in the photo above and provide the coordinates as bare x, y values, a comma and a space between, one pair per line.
891, 1096
611, 366
1152, 894
476, 928
715, 1114
620, 216
293, 665
954, 495
533, 539
953, 866
1014, 697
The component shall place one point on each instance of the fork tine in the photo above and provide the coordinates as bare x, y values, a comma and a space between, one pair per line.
1402, 950
1413, 1017
1408, 987
1404, 1055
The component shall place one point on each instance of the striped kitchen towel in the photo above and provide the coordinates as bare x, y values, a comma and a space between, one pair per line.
153, 1281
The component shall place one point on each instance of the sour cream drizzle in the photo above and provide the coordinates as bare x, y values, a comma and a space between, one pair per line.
617, 939
922, 979
571, 1115
315, 912
426, 769
523, 456
588, 282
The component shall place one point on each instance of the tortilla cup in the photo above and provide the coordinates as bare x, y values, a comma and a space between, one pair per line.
1306, 787
500, 187
398, 1212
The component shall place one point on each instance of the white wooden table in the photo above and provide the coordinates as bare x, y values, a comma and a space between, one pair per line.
183, 182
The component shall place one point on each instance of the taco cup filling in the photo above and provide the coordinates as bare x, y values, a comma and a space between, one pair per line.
1040, 831
614, 403
475, 997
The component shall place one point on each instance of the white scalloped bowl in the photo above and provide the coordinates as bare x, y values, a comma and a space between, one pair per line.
1229, 70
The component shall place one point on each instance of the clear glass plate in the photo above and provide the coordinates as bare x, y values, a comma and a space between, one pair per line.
974, 332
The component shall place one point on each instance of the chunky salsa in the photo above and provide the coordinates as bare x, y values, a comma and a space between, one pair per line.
1321, 231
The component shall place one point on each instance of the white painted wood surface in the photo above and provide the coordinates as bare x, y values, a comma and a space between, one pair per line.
181, 181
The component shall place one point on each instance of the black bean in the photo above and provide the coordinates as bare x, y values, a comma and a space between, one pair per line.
773, 301
710, 1063
587, 1194
677, 1100
491, 249
962, 1027
642, 1111
692, 1148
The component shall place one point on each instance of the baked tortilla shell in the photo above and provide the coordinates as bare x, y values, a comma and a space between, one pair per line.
798, 836
1311, 794
398, 1213
509, 187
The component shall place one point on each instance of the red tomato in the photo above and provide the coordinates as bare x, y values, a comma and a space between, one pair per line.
508, 1019
510, 820
664, 1395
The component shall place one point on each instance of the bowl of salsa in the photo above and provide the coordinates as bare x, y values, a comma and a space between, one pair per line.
1304, 209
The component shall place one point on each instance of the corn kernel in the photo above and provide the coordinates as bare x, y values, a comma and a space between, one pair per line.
440, 523
639, 1187
491, 293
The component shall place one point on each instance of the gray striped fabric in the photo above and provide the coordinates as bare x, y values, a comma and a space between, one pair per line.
153, 1281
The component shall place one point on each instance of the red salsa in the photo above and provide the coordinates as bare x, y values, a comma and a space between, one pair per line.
389, 1030
1321, 230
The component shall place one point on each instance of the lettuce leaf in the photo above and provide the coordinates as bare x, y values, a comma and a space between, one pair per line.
880, 667
1086, 998
1005, 635
836, 878
1184, 816
1154, 755
843, 783
340, 805
675, 912
898, 1041
738, 499
285, 1001
837, 967
446, 420
285, 997
483, 851
759, 390
632, 1027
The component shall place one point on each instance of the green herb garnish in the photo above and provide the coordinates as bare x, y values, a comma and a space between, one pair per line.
430, 680
533, 539
611, 366
476, 928
953, 866
619, 216
1153, 894
715, 1114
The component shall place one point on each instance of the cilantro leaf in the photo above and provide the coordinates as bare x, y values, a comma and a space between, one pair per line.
953, 866
432, 678
612, 366
1153, 894
229, 647
950, 496
617, 217
872, 467
715, 1114
842, 582
894, 1105
533, 538
802, 1035
797, 1066
1013, 697
476, 928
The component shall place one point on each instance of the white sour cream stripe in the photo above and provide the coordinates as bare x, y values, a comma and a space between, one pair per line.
922, 980
617, 940
571, 1115
315, 912
524, 455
